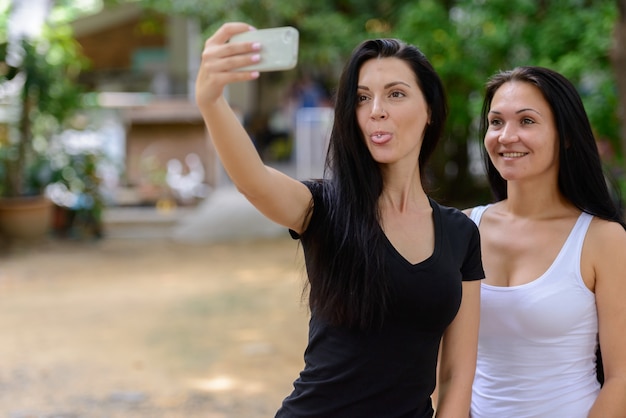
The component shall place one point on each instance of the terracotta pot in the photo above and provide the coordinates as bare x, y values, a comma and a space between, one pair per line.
25, 218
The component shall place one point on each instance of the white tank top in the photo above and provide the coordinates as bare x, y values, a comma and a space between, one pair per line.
537, 341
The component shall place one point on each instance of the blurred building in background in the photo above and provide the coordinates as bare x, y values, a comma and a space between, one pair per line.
143, 66
142, 74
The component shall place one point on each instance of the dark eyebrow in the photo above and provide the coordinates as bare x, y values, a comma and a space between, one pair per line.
527, 109
388, 85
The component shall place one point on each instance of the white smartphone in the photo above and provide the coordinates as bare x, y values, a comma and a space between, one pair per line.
279, 48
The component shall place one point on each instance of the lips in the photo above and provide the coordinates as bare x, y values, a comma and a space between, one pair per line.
380, 137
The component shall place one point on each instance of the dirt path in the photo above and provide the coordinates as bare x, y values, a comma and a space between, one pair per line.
123, 328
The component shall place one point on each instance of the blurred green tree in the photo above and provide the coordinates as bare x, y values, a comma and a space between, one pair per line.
467, 41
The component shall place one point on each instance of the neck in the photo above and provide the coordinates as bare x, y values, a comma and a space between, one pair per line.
402, 188
538, 201
403, 196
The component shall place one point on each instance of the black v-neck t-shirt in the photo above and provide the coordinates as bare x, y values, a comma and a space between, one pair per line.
389, 372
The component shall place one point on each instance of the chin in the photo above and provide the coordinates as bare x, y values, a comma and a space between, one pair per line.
384, 160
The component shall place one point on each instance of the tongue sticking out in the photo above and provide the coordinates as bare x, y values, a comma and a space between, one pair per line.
380, 138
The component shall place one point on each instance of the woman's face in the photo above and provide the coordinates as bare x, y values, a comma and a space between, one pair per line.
521, 139
391, 110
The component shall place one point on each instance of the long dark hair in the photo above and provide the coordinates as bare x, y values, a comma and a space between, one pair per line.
346, 259
581, 178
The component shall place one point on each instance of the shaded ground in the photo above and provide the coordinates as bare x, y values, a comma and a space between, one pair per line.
150, 328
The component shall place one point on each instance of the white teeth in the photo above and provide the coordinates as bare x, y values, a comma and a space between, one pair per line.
513, 154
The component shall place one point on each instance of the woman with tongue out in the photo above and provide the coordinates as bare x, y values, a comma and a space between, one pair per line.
391, 273
554, 252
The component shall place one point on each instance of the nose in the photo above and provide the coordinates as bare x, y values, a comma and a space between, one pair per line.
508, 134
378, 112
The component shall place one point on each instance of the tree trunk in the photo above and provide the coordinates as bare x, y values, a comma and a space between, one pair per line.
618, 56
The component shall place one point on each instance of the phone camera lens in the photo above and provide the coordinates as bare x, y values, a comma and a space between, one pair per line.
287, 36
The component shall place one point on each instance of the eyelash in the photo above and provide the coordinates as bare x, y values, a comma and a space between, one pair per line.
524, 121
394, 94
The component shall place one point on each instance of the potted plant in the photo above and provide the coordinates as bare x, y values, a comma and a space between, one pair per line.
38, 95
75, 157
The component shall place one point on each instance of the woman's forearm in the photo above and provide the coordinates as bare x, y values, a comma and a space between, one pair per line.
234, 147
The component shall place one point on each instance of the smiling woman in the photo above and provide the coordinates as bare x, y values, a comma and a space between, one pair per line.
521, 138
555, 293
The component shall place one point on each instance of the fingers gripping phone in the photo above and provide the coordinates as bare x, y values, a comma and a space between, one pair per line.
279, 48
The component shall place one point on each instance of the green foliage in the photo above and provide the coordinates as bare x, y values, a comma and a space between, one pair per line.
47, 94
51, 67
329, 30
466, 40
78, 176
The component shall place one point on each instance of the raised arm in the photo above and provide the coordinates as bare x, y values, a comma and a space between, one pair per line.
607, 246
279, 197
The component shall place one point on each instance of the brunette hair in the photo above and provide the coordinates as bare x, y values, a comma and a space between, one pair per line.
348, 283
580, 177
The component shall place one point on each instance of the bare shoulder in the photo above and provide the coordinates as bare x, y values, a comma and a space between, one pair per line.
606, 243
606, 234
467, 211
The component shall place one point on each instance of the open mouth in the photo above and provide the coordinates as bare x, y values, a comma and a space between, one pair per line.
512, 154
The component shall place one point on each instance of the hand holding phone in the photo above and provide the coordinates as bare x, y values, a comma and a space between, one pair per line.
279, 48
